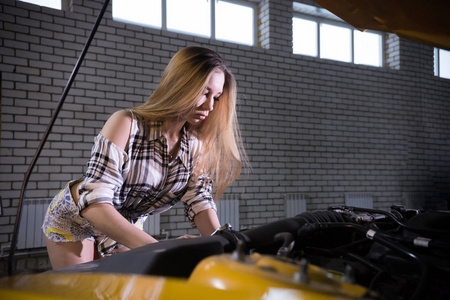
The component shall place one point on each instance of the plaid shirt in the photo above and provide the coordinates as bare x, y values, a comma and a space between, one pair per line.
141, 180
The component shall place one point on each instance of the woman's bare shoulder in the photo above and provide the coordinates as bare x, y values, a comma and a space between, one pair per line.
117, 128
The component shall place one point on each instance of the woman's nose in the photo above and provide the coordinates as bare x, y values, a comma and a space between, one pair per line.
208, 104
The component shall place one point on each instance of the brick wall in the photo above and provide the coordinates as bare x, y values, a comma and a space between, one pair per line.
311, 126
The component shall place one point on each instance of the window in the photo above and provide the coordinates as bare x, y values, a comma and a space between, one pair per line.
232, 20
442, 63
335, 42
367, 48
240, 27
305, 38
139, 12
193, 16
56, 4
317, 32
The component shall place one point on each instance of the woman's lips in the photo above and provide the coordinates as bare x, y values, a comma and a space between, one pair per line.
202, 116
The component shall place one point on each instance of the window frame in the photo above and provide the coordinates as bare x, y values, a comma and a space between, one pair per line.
437, 62
212, 36
323, 20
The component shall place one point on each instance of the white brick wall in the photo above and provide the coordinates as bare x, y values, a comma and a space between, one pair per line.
317, 127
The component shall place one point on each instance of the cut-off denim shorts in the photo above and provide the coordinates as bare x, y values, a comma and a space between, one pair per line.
63, 222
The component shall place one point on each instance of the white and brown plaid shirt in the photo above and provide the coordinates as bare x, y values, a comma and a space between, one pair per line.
141, 180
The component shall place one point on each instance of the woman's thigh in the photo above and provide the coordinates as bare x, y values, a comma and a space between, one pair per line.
64, 254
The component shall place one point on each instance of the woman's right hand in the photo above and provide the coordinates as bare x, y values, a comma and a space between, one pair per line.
188, 236
110, 222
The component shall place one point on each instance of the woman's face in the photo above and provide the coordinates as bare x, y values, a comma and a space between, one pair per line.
210, 95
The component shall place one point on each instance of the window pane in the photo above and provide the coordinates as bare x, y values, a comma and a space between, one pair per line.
56, 4
335, 43
238, 28
367, 48
193, 16
140, 12
304, 39
444, 63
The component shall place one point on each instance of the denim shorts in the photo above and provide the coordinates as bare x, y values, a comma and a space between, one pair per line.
63, 222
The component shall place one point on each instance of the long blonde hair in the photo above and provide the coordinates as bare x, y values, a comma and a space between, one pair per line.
182, 84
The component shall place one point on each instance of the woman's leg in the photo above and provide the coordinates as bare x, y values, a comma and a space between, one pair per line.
64, 254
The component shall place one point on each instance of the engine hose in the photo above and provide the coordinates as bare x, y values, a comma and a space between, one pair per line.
321, 216
417, 241
376, 237
393, 218
370, 210
264, 235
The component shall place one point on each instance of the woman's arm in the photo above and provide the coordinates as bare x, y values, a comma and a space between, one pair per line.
110, 222
207, 221
103, 215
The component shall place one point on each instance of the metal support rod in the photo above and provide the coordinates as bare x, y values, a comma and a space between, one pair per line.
47, 132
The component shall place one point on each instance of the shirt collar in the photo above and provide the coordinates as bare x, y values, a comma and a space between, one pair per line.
156, 132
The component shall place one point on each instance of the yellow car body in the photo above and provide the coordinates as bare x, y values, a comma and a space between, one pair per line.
216, 277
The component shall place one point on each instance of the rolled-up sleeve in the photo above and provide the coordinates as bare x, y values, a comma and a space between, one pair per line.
104, 174
198, 197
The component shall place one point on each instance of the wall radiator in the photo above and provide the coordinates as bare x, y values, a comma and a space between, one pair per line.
413, 200
30, 230
152, 225
228, 210
294, 204
359, 199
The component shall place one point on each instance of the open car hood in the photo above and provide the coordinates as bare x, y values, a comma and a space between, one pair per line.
423, 21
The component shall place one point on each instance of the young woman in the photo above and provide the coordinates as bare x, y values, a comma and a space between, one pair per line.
148, 158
